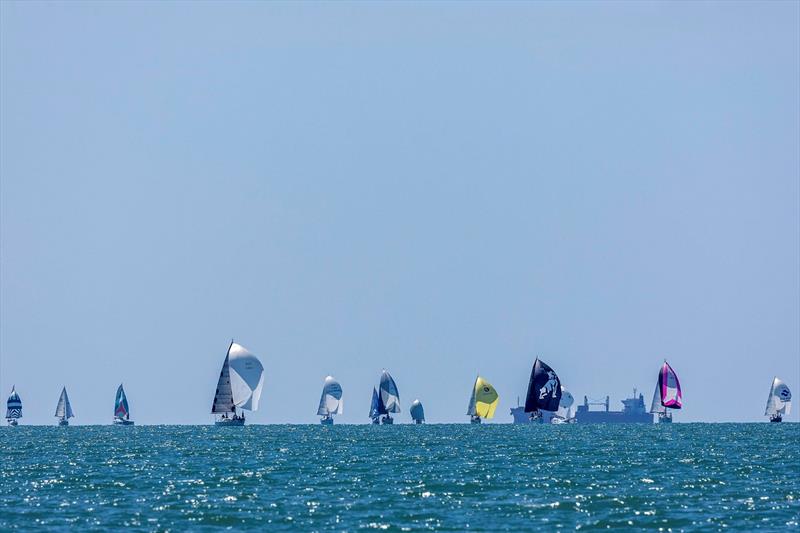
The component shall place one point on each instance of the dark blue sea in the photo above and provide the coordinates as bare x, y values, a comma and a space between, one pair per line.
401, 478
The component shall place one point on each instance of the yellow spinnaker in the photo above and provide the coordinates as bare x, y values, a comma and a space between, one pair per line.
486, 398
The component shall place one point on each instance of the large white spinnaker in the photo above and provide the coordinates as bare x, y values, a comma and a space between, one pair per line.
331, 402
247, 377
779, 401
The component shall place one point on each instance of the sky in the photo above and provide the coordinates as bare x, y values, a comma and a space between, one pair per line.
439, 189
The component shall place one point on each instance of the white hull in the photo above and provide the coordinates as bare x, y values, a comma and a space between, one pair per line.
122, 422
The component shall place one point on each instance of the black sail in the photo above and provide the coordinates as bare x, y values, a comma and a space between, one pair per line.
544, 389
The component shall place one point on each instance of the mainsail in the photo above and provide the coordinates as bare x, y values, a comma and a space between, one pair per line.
483, 400
544, 389
240, 381
13, 405
417, 411
331, 402
668, 391
64, 409
389, 396
376, 408
121, 409
779, 401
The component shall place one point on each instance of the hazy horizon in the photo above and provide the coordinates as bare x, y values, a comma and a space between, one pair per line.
441, 190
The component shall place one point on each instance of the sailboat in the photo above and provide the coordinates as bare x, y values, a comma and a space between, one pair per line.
240, 382
779, 401
564, 413
122, 414
544, 391
64, 409
417, 412
331, 402
483, 401
667, 395
13, 408
385, 400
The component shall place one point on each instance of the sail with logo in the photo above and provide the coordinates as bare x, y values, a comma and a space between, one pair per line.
779, 401
544, 390
122, 413
331, 402
385, 400
668, 395
64, 409
483, 401
417, 412
13, 408
240, 382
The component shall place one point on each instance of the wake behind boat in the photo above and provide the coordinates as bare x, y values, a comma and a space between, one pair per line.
779, 401
122, 413
240, 382
483, 401
13, 408
64, 409
667, 395
331, 402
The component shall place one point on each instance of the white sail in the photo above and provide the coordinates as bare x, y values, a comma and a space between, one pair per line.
565, 404
779, 401
471, 407
655, 406
246, 377
331, 402
64, 408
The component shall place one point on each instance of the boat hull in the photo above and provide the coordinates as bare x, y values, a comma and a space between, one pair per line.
664, 419
327, 421
120, 422
229, 422
775, 419
13, 422
387, 420
475, 420
63, 422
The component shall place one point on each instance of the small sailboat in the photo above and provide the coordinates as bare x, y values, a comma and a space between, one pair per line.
122, 413
385, 400
779, 401
667, 395
240, 382
544, 390
483, 401
331, 402
64, 409
564, 413
13, 408
417, 412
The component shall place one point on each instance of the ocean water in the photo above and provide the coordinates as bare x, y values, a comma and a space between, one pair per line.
401, 478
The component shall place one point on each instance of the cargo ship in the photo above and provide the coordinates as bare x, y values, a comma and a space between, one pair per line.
633, 412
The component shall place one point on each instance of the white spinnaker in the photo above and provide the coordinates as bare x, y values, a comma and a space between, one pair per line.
565, 403
779, 400
247, 377
331, 402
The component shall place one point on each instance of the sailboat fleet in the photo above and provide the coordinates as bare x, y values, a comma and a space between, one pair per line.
241, 381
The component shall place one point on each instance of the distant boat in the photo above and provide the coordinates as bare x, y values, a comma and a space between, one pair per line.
13, 408
564, 413
417, 412
667, 395
331, 402
64, 409
240, 382
544, 390
385, 400
122, 414
483, 401
779, 401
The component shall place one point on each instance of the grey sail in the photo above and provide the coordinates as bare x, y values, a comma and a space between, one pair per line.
471, 407
64, 408
656, 406
223, 398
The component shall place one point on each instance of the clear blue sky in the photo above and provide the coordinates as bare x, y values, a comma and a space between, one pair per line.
437, 189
